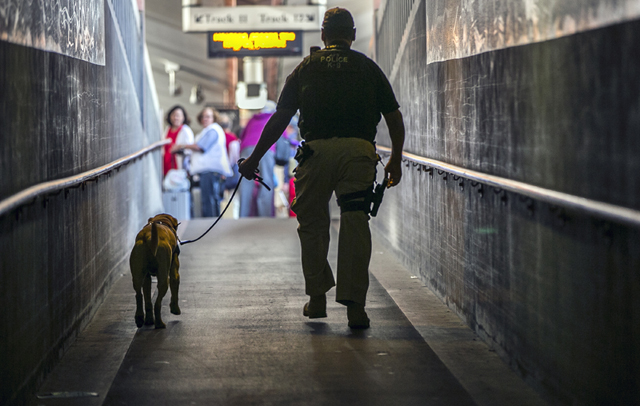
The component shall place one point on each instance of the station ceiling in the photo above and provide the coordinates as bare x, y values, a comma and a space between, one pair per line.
166, 42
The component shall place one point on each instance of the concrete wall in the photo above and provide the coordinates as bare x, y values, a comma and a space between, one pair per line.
61, 115
546, 95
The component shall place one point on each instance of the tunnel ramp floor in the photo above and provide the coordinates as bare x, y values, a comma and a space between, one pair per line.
242, 340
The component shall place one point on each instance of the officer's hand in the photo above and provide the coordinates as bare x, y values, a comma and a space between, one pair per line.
247, 168
393, 171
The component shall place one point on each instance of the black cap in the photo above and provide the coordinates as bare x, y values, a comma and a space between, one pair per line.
337, 18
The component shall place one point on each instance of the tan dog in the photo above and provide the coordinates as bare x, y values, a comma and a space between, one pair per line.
156, 254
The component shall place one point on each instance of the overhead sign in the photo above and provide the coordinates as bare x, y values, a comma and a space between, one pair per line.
252, 18
254, 43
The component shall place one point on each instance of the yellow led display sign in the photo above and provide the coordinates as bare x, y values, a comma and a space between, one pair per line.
255, 43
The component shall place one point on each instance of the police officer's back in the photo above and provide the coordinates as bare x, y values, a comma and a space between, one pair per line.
340, 93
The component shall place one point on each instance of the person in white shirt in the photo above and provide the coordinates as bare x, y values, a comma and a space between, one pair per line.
209, 161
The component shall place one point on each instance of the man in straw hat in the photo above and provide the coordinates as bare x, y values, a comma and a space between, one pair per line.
341, 95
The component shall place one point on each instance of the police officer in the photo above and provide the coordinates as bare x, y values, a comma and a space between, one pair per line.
341, 95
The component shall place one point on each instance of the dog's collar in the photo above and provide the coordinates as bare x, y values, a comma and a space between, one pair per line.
164, 224
161, 222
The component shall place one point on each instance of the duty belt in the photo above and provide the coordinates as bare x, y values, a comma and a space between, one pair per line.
303, 153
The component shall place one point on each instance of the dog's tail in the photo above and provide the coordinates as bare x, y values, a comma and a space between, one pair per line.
153, 242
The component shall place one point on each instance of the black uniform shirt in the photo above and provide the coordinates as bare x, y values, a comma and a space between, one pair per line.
340, 93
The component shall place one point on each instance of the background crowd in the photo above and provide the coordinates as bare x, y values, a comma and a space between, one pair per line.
203, 168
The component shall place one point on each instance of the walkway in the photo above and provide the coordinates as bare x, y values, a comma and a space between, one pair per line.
242, 340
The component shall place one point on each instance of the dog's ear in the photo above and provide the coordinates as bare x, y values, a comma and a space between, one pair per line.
174, 222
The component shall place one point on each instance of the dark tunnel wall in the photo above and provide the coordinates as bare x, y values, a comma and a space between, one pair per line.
61, 116
553, 291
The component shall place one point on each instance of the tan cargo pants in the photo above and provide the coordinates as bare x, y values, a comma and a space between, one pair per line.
343, 165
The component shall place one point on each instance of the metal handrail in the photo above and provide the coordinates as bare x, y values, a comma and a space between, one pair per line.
30, 194
605, 210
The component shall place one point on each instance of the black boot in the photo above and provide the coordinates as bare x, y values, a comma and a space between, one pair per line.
316, 307
358, 318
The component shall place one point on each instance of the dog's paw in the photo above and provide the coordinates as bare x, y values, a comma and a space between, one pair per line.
148, 321
160, 324
139, 321
175, 309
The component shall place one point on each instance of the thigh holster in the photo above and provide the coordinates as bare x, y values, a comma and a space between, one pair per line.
363, 200
356, 201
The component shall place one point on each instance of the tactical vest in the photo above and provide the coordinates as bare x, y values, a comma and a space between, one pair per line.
338, 95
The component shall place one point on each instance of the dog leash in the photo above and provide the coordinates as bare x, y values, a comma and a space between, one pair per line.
256, 177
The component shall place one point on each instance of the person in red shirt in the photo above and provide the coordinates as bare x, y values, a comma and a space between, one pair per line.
178, 132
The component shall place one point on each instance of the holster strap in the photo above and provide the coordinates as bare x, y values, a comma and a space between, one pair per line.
348, 202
